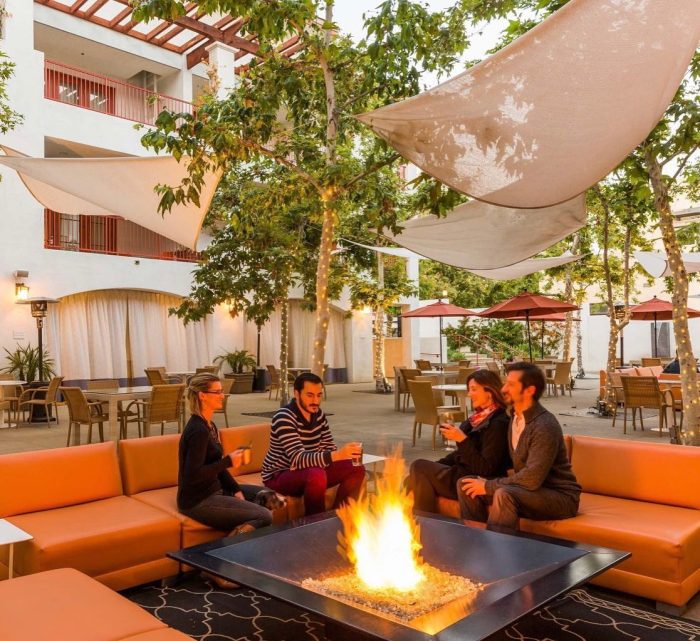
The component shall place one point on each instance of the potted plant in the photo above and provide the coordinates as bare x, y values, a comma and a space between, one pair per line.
242, 365
23, 363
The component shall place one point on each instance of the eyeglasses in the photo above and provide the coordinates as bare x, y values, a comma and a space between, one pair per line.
214, 391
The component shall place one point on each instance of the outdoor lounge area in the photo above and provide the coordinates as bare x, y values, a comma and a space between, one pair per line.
349, 321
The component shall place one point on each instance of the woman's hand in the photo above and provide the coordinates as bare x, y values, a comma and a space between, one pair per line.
452, 433
236, 457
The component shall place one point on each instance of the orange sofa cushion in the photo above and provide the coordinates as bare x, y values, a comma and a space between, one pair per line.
97, 538
149, 463
653, 472
256, 435
49, 479
165, 634
66, 605
664, 540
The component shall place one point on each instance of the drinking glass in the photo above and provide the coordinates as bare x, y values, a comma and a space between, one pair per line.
357, 460
447, 418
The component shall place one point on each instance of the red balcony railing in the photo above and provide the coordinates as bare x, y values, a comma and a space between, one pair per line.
110, 235
99, 93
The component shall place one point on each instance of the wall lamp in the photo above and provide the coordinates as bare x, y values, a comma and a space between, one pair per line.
21, 288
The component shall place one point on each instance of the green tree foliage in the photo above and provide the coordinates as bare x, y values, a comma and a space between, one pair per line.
9, 118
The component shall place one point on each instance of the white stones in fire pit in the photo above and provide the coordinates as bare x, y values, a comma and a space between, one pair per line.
436, 590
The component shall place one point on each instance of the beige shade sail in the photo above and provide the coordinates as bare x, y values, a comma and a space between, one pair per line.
555, 111
656, 263
115, 186
526, 267
477, 235
518, 270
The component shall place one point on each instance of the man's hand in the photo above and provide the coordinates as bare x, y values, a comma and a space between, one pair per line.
239, 495
474, 487
452, 432
349, 451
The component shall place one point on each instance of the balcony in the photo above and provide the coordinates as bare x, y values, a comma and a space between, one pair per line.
91, 91
110, 235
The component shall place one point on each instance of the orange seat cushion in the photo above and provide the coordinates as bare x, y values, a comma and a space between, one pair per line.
192, 532
165, 634
664, 540
96, 538
66, 605
49, 479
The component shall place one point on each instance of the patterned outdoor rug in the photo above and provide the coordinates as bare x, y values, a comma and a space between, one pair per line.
270, 414
208, 614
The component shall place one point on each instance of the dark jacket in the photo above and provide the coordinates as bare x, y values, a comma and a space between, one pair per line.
485, 450
540, 460
203, 467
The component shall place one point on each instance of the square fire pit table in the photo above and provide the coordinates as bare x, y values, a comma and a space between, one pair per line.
519, 574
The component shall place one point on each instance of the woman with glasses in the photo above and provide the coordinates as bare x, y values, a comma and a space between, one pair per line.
206, 491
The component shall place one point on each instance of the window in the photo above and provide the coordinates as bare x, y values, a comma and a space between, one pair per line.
598, 309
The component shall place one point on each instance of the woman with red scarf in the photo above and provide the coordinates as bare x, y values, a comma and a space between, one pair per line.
482, 445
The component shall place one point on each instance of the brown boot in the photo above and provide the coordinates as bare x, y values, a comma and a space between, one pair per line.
245, 528
219, 582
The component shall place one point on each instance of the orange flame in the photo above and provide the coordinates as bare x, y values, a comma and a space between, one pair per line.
380, 536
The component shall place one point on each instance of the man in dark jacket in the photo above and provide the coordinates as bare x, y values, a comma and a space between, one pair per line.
542, 485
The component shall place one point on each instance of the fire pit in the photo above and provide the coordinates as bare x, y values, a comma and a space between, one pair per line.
517, 574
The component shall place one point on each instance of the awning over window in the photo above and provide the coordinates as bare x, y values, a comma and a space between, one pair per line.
115, 187
555, 111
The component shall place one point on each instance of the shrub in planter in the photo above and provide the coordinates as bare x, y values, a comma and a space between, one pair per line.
242, 365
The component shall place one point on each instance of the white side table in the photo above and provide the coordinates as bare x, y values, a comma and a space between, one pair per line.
9, 535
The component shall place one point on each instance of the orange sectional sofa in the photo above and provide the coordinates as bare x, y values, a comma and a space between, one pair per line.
111, 511
71, 606
639, 497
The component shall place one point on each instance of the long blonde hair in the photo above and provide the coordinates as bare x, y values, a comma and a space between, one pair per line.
199, 383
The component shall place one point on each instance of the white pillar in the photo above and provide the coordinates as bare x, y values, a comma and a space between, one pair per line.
223, 59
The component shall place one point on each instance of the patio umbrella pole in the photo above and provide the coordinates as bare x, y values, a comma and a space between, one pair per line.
529, 337
656, 337
440, 338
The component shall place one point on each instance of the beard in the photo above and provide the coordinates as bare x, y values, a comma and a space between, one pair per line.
311, 409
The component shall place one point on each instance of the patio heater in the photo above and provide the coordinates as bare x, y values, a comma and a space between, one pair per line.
619, 311
39, 309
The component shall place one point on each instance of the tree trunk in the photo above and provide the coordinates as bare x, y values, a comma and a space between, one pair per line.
327, 233
568, 297
616, 325
284, 357
380, 382
689, 377
580, 373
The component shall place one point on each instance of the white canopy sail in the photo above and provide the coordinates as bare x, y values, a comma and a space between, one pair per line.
121, 186
656, 263
477, 235
555, 111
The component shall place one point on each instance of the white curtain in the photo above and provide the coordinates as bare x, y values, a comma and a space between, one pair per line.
270, 339
92, 335
301, 337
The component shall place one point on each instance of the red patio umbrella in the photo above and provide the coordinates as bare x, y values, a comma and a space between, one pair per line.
548, 318
439, 310
531, 306
656, 309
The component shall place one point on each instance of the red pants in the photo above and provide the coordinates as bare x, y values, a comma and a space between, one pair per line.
312, 483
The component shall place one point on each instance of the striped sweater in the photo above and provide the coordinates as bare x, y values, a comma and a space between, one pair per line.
296, 443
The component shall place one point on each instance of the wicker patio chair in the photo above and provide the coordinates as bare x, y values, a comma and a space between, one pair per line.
226, 385
561, 378
616, 395
644, 392
275, 381
164, 406
207, 369
427, 410
11, 394
82, 412
408, 374
494, 367
650, 362
27, 399
125, 418
423, 364
464, 363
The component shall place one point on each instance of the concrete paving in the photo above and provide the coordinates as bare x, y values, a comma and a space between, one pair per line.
359, 414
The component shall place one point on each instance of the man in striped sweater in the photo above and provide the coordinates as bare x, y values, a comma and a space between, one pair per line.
303, 460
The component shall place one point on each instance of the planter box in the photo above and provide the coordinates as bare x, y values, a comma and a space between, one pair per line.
243, 383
